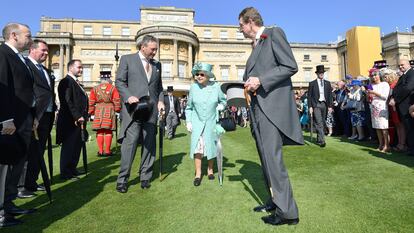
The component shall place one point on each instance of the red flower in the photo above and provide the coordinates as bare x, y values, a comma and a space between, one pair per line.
263, 36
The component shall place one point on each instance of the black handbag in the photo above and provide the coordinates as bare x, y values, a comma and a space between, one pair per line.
228, 123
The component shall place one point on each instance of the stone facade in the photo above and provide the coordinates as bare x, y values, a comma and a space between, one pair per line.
183, 42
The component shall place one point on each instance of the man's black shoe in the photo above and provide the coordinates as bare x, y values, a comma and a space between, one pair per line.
264, 208
25, 194
145, 184
14, 210
41, 188
197, 181
9, 221
122, 188
323, 144
273, 219
69, 177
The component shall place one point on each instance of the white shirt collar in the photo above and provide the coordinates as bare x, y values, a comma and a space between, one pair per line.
12, 47
73, 77
142, 56
260, 32
33, 60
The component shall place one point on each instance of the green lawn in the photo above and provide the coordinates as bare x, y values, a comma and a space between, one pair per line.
345, 187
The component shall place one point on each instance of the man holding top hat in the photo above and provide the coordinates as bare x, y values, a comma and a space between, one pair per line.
104, 102
274, 117
140, 87
320, 102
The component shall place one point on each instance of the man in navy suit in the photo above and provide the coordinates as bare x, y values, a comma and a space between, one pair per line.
44, 85
16, 114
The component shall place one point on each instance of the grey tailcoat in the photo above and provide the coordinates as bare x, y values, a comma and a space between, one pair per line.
131, 80
273, 62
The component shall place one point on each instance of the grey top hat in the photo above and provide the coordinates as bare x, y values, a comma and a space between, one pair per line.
235, 93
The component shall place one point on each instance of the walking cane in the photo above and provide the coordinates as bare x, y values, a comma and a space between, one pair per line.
50, 156
43, 169
311, 123
84, 153
161, 139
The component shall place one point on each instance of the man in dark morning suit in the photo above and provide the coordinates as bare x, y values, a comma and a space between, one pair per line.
17, 106
44, 86
73, 112
401, 99
320, 102
172, 118
139, 77
274, 117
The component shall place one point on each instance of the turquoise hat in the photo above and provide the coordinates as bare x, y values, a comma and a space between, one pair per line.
205, 67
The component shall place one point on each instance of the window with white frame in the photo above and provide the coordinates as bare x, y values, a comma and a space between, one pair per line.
224, 35
125, 31
166, 67
307, 74
240, 72
105, 67
207, 33
306, 57
87, 30
106, 30
324, 58
87, 72
224, 71
181, 70
239, 36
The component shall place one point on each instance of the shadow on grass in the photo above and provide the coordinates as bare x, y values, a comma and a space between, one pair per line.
79, 192
399, 158
251, 175
169, 165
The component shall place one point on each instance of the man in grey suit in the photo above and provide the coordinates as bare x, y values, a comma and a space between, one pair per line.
274, 118
139, 78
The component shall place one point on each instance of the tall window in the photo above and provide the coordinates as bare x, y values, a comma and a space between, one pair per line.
126, 31
207, 34
324, 58
106, 67
87, 30
107, 31
307, 74
87, 72
181, 70
224, 70
240, 72
306, 57
166, 69
223, 35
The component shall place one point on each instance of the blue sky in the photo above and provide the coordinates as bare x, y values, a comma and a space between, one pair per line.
317, 21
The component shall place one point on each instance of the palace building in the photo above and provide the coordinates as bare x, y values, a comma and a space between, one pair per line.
99, 44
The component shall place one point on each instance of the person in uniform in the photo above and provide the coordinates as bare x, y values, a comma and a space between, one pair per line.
104, 103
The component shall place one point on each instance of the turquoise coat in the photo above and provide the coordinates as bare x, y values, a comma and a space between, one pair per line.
202, 114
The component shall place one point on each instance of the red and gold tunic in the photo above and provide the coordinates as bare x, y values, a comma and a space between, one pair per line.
104, 101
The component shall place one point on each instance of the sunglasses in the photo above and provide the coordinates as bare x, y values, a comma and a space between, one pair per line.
200, 74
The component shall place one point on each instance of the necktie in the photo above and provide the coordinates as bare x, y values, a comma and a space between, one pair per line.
321, 82
42, 73
147, 66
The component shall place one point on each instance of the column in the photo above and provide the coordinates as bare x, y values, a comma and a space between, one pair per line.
175, 61
190, 59
158, 55
61, 57
68, 55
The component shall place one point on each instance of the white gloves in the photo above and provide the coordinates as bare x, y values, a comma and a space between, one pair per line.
220, 107
189, 127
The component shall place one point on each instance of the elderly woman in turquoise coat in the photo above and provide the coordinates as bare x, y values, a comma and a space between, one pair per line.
205, 101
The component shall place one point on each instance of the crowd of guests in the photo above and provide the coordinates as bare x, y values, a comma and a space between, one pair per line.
378, 107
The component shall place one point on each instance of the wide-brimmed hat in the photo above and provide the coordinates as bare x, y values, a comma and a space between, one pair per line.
320, 69
355, 82
235, 94
205, 67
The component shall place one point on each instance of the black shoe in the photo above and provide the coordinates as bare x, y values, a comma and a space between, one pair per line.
197, 181
25, 194
41, 188
69, 177
211, 177
145, 184
264, 208
14, 210
9, 221
78, 173
122, 188
323, 144
273, 219
108, 154
100, 154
